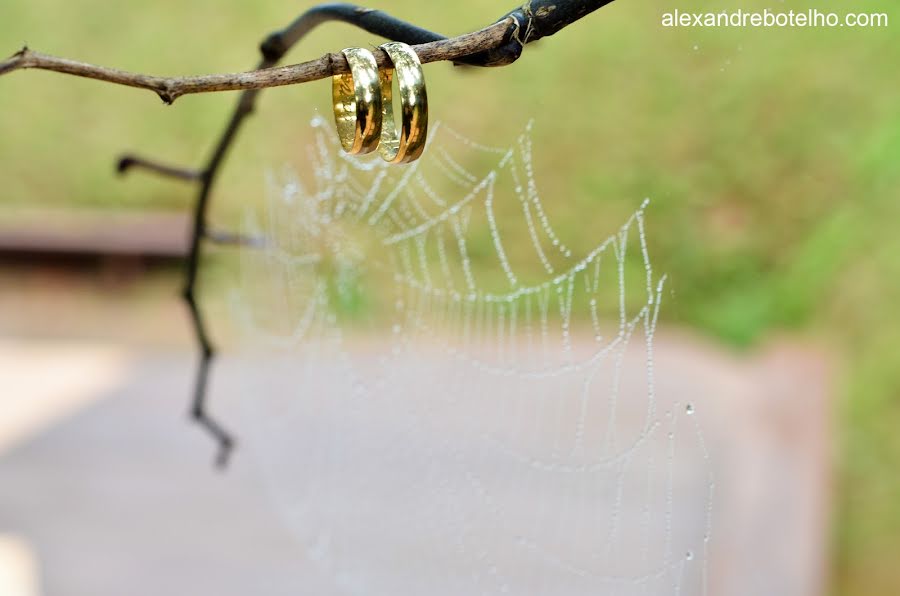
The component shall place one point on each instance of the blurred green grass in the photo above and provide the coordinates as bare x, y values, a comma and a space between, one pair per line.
770, 156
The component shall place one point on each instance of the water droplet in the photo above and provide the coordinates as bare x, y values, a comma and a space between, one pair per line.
689, 409
689, 555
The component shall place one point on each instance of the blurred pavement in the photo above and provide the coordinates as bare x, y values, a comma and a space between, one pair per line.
112, 489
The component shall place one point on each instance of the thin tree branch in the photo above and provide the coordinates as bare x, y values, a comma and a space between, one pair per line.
171, 88
497, 45
534, 20
127, 162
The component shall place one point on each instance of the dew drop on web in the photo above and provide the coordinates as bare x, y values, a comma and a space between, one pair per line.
474, 409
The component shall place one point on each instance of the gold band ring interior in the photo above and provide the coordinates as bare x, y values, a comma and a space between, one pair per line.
407, 144
356, 98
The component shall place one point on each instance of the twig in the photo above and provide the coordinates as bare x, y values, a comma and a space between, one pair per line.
127, 162
171, 88
497, 45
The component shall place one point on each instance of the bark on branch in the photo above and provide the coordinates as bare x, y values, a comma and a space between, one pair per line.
498, 44
171, 88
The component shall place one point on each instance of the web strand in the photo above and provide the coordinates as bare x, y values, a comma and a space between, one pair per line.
503, 427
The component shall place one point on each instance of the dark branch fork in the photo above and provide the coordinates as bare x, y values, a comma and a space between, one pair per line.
499, 44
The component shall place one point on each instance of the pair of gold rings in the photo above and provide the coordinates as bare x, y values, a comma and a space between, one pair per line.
364, 108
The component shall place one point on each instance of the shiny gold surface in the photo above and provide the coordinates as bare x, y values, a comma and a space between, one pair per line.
407, 144
356, 99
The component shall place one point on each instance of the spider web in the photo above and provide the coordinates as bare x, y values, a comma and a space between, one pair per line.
465, 414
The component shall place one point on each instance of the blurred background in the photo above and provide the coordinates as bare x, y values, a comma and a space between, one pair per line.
770, 157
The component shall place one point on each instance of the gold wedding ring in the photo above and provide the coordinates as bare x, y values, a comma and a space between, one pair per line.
357, 102
407, 144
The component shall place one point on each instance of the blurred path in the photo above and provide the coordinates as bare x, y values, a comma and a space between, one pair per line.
121, 498
113, 490
43, 383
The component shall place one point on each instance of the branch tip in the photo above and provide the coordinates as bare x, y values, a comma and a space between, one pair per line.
223, 455
124, 163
